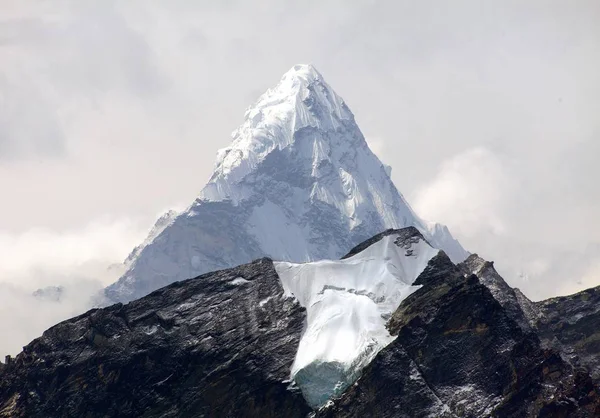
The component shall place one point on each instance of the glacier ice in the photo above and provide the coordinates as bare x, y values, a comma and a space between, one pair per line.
348, 303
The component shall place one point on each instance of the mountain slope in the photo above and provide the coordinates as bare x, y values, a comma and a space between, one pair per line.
298, 183
228, 343
572, 325
219, 345
419, 338
459, 353
567, 324
517, 306
348, 303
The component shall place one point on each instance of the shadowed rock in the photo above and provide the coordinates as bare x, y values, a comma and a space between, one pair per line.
459, 353
200, 347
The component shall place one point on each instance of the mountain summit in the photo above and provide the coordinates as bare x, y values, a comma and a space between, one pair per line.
302, 101
298, 183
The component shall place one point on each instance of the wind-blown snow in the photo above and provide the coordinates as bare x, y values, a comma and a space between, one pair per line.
298, 183
348, 303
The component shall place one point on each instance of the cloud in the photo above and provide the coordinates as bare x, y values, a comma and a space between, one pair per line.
64, 253
488, 117
468, 192
81, 262
42, 135
25, 317
73, 56
478, 196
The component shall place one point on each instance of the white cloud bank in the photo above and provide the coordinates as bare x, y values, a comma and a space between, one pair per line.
489, 206
468, 192
81, 262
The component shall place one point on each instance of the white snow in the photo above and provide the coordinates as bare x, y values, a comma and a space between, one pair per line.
346, 174
238, 281
159, 226
264, 301
271, 123
348, 302
298, 183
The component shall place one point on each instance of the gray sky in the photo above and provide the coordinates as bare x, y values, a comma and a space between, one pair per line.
112, 112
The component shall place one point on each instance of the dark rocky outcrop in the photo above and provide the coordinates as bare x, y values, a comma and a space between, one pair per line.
406, 236
572, 324
566, 324
512, 300
219, 345
459, 353
222, 345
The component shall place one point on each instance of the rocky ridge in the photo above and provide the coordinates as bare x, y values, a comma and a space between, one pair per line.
224, 343
218, 345
460, 353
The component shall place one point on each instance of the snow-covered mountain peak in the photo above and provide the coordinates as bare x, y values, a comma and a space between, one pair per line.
298, 183
301, 101
300, 76
306, 71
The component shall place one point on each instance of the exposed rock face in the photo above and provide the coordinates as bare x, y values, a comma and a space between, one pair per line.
459, 353
508, 297
572, 324
405, 237
219, 345
568, 324
225, 344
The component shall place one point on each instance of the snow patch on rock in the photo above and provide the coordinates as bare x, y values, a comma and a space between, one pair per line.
238, 281
348, 303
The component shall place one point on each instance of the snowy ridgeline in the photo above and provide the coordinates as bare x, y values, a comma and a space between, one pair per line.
348, 303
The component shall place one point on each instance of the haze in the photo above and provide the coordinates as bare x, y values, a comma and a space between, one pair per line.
112, 112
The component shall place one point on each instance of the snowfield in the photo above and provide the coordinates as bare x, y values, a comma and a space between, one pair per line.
348, 303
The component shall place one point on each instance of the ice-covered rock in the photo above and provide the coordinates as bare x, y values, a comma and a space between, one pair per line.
348, 303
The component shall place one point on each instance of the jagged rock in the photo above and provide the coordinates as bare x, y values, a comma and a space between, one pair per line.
392, 370
405, 237
218, 345
566, 324
459, 353
572, 324
225, 344
508, 297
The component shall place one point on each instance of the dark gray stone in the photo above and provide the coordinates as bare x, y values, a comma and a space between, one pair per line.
218, 345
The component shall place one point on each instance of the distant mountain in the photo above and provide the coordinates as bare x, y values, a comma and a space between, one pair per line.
394, 329
298, 183
49, 293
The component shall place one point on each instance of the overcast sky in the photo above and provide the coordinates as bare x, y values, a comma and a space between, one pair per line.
111, 112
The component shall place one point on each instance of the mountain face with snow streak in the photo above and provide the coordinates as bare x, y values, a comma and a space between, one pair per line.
347, 305
394, 329
298, 183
